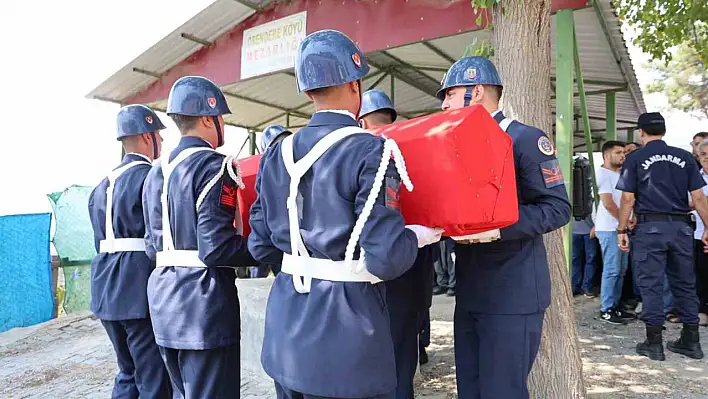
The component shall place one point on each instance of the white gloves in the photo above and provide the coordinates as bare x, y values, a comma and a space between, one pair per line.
487, 236
426, 235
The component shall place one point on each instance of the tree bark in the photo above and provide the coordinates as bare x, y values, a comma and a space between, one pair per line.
521, 37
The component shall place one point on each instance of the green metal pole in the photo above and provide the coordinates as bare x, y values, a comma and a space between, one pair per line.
393, 89
243, 145
611, 115
584, 112
252, 142
564, 108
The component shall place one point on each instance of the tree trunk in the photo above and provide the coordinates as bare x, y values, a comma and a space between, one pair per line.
522, 43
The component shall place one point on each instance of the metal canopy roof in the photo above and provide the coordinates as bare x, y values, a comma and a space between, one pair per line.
215, 20
410, 74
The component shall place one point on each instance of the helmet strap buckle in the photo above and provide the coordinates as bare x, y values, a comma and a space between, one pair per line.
468, 95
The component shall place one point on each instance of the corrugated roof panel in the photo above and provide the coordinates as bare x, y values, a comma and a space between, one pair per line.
595, 54
455, 46
277, 89
407, 98
611, 23
414, 91
419, 55
209, 24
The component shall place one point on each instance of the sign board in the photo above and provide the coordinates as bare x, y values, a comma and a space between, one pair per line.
272, 46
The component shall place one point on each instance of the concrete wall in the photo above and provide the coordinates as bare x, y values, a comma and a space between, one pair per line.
253, 296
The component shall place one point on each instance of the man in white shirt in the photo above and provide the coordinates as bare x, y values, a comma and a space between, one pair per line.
698, 139
700, 257
606, 222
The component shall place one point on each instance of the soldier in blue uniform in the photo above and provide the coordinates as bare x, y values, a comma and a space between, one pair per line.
189, 205
120, 270
271, 135
504, 286
327, 325
654, 181
376, 110
408, 296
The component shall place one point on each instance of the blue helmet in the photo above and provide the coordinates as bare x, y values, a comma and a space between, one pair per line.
328, 58
469, 71
269, 135
196, 96
137, 119
376, 100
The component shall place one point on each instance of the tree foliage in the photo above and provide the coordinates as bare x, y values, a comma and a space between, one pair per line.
684, 81
483, 48
664, 24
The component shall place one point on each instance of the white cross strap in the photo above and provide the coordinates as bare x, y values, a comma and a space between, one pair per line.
111, 244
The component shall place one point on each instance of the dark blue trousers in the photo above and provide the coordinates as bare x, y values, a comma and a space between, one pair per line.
494, 353
285, 393
404, 333
141, 372
424, 329
211, 373
585, 252
665, 249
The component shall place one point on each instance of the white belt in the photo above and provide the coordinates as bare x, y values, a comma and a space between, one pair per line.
484, 237
122, 245
325, 269
181, 258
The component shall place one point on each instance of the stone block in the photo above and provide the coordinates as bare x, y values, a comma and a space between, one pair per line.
253, 296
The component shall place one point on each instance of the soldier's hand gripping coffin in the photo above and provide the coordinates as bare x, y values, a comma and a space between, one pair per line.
461, 165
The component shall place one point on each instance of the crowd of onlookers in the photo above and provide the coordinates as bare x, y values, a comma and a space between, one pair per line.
598, 265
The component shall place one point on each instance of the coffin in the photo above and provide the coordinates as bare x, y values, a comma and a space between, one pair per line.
461, 165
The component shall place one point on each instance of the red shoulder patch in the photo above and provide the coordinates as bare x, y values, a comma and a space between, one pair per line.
551, 172
228, 194
393, 193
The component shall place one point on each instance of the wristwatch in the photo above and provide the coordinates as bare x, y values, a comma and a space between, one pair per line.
623, 231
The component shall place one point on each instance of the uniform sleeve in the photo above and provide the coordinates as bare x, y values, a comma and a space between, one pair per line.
150, 249
259, 242
695, 181
218, 241
96, 238
628, 176
390, 248
546, 206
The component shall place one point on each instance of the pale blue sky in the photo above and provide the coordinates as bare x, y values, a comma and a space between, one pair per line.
54, 52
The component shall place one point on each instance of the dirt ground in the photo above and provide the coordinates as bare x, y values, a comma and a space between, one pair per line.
611, 368
71, 357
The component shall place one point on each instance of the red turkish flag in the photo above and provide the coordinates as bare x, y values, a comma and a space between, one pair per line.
462, 167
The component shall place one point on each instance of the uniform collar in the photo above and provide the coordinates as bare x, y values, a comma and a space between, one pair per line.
498, 116
340, 111
191, 141
333, 117
656, 142
134, 156
188, 142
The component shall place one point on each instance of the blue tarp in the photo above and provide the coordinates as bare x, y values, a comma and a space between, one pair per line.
26, 296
